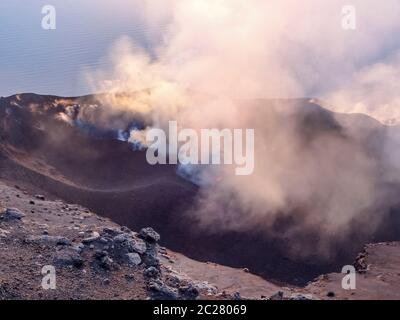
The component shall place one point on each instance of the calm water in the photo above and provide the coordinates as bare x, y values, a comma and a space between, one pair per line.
54, 61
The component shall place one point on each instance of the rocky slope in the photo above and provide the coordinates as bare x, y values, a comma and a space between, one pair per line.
93, 257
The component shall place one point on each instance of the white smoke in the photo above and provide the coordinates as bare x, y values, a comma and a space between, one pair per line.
215, 54
372, 90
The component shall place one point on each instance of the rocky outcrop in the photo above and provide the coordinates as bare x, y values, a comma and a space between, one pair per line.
93, 257
112, 247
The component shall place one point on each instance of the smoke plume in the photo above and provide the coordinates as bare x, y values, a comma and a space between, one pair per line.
227, 64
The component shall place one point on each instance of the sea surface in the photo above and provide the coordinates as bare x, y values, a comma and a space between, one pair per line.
57, 61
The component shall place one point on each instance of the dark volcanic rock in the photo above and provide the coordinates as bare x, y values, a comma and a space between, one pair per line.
118, 247
150, 259
277, 296
49, 240
68, 257
301, 297
188, 292
137, 245
112, 232
361, 262
160, 291
104, 260
151, 272
133, 259
149, 235
11, 214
